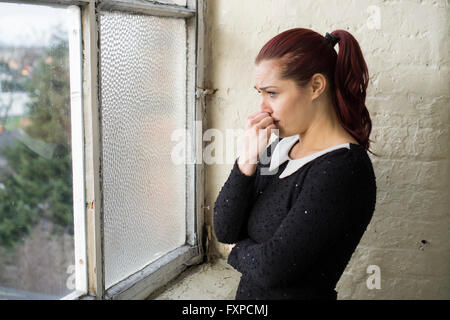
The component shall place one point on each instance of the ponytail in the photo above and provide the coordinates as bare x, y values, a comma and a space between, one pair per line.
351, 79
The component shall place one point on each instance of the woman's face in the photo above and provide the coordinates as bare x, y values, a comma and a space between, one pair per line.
290, 106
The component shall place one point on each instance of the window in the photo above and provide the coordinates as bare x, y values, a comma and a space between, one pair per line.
40, 126
135, 214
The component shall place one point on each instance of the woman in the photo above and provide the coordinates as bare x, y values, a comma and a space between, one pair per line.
296, 217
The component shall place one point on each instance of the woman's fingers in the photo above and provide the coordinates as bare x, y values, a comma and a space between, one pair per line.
258, 115
253, 115
258, 118
265, 122
255, 118
257, 133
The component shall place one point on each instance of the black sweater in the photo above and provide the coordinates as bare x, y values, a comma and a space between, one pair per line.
294, 236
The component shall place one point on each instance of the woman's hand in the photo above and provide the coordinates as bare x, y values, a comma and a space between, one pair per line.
258, 129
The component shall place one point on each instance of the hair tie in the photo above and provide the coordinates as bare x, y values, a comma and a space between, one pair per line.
332, 39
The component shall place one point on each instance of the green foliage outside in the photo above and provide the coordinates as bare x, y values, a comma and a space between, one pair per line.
32, 186
12, 123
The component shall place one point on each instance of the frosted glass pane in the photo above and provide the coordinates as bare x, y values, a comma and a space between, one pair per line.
143, 100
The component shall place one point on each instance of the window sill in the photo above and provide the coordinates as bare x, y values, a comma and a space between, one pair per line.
207, 281
76, 295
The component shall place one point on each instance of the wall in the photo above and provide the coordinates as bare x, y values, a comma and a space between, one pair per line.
406, 48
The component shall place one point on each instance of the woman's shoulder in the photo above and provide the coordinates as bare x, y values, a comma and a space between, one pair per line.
343, 164
348, 173
343, 177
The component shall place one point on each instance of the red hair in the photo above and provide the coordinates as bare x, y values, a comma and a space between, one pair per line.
305, 52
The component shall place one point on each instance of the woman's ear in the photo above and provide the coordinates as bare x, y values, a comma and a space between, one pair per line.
318, 83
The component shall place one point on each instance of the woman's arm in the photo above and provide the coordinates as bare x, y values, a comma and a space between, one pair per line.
232, 206
236, 197
320, 217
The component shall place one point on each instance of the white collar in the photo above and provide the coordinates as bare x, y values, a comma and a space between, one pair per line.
281, 154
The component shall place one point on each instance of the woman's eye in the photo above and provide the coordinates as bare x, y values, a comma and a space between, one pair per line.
272, 94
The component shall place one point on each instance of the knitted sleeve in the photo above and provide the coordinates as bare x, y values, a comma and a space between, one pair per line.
232, 206
320, 216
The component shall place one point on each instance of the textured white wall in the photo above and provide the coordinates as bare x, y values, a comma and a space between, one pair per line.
406, 49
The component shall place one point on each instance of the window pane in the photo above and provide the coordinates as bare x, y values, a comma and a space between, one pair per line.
36, 215
143, 93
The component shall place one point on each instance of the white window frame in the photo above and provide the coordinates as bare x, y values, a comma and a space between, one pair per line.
86, 130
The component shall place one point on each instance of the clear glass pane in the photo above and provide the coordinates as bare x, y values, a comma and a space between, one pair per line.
143, 99
36, 215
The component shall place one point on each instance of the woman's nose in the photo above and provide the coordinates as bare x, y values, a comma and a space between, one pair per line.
264, 107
